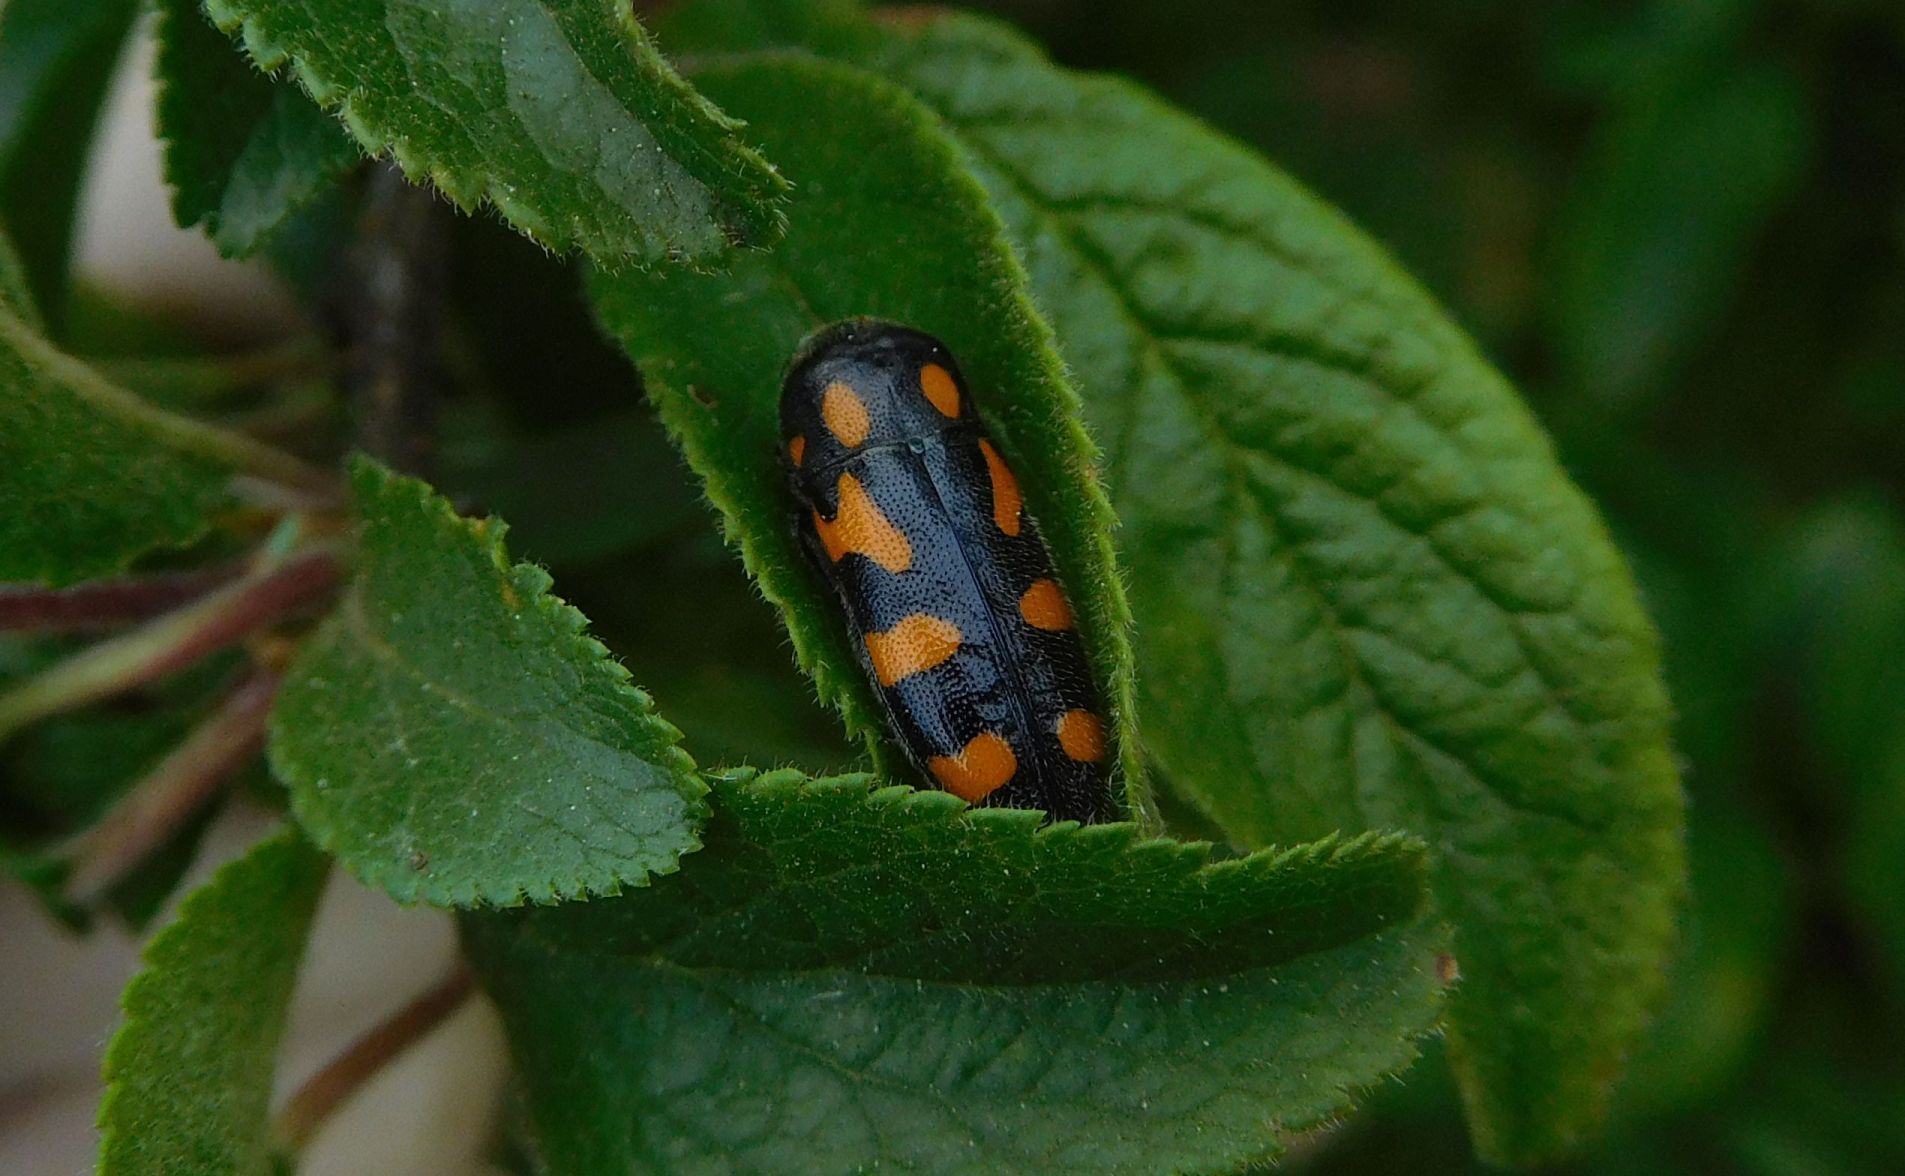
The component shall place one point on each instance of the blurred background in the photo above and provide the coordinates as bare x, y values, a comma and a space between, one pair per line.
1680, 226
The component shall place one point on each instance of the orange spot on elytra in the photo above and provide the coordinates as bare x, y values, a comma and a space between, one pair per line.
938, 385
977, 771
858, 526
918, 643
1006, 500
797, 449
1044, 606
845, 414
1082, 736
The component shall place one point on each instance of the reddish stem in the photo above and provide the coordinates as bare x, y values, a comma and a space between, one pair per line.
344, 1075
104, 604
171, 642
172, 792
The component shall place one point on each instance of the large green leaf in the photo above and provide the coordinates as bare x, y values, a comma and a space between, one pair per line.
188, 1075
845, 980
56, 59
241, 153
886, 223
1366, 594
560, 113
87, 477
453, 735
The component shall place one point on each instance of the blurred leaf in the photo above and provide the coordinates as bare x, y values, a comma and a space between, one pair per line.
1366, 594
1738, 932
136, 898
242, 153
1850, 563
56, 60
1850, 568
16, 290
188, 1074
88, 477
1697, 538
731, 25
519, 313
103, 323
1813, 1115
1060, 999
1677, 191
716, 652
1616, 50
871, 166
560, 113
736, 715
453, 736
582, 492
62, 775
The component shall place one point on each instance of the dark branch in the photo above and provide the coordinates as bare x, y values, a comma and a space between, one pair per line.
388, 312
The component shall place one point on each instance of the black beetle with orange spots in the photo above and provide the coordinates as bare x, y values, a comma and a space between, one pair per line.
913, 518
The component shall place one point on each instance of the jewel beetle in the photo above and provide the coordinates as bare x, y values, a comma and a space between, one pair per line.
913, 518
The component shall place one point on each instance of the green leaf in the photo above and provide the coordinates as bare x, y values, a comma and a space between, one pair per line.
1366, 594
1676, 193
453, 736
560, 113
845, 980
56, 60
87, 479
188, 1075
241, 153
886, 223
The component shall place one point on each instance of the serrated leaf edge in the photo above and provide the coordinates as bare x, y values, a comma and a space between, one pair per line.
468, 192
213, 219
153, 970
534, 582
1131, 837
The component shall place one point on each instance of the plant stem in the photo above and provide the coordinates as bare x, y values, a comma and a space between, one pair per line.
104, 604
199, 379
298, 411
390, 320
172, 792
234, 449
265, 595
306, 1111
